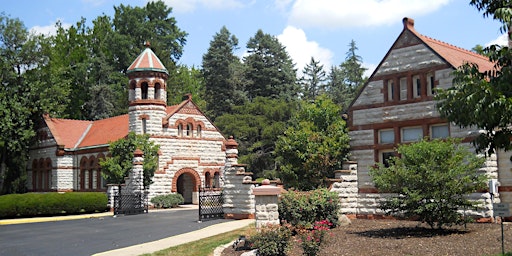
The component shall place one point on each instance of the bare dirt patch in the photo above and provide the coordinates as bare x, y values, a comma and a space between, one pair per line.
397, 238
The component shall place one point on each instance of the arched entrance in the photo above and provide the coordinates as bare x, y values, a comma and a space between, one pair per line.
185, 182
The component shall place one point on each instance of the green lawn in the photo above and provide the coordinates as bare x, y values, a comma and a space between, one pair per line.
204, 247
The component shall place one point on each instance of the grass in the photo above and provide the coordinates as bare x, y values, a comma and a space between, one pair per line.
204, 247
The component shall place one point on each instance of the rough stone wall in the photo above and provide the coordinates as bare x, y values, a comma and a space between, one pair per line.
267, 210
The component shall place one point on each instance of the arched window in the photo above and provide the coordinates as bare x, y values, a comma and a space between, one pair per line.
216, 180
180, 130
144, 126
189, 130
48, 174
34, 174
144, 91
92, 167
82, 173
207, 180
199, 131
157, 91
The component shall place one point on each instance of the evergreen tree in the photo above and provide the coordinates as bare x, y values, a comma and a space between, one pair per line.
269, 70
186, 80
313, 80
218, 71
347, 79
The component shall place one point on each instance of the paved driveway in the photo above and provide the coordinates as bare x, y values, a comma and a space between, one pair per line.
89, 236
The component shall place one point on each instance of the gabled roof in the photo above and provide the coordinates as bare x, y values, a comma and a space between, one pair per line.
147, 61
66, 132
104, 131
454, 55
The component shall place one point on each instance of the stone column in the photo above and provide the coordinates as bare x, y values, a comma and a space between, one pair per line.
267, 198
137, 173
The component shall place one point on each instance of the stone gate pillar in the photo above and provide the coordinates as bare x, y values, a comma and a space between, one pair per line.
267, 199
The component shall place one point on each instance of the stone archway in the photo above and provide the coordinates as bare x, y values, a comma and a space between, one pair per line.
186, 182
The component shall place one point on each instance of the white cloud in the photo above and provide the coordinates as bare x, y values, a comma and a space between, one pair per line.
49, 29
501, 40
360, 13
301, 50
183, 6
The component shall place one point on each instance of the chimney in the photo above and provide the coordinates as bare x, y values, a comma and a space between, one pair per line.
408, 23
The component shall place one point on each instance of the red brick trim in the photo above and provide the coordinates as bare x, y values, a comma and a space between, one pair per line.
239, 216
189, 171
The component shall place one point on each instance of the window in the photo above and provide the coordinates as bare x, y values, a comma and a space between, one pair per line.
199, 131
157, 91
144, 126
412, 134
144, 91
430, 84
439, 131
403, 88
391, 90
386, 136
189, 130
180, 130
385, 157
416, 89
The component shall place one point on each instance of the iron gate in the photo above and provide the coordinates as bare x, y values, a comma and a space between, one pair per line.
210, 204
135, 203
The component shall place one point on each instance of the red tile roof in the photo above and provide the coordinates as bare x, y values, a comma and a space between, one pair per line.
454, 55
147, 61
67, 132
105, 131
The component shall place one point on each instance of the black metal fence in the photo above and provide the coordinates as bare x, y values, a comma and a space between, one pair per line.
210, 204
135, 203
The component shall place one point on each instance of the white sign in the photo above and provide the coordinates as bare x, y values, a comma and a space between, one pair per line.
502, 210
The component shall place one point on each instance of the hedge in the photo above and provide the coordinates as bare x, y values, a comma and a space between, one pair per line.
52, 203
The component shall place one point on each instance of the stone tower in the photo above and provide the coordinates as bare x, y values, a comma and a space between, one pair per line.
147, 93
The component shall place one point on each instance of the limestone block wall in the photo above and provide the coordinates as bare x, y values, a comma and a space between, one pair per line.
347, 189
239, 201
267, 200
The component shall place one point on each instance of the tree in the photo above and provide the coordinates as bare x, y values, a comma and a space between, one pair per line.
118, 166
218, 71
484, 100
269, 70
256, 126
430, 181
347, 79
314, 145
186, 80
313, 80
21, 57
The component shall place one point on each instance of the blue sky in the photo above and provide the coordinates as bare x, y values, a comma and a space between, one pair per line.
319, 28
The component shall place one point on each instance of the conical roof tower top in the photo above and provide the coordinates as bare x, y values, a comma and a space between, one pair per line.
147, 61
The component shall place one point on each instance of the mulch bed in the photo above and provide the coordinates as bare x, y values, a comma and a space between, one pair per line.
398, 237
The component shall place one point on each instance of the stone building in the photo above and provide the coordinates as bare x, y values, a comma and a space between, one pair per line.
192, 150
397, 106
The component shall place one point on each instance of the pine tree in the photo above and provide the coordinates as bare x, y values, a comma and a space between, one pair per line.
269, 70
313, 80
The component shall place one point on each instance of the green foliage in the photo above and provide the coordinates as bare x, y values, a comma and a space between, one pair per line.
313, 80
269, 70
313, 146
346, 79
167, 201
48, 204
186, 80
118, 165
272, 240
256, 126
484, 100
430, 180
311, 240
219, 73
304, 209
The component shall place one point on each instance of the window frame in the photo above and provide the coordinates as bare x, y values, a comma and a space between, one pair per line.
402, 133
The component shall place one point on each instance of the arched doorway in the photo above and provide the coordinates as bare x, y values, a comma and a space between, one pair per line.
185, 182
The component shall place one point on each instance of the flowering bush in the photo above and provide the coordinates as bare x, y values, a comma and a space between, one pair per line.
272, 240
311, 240
303, 209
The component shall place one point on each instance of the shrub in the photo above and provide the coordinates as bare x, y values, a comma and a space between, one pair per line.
52, 203
303, 209
272, 240
167, 201
311, 240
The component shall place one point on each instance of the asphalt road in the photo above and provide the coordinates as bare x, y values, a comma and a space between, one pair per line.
94, 235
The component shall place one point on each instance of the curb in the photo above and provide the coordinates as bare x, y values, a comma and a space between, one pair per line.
57, 218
